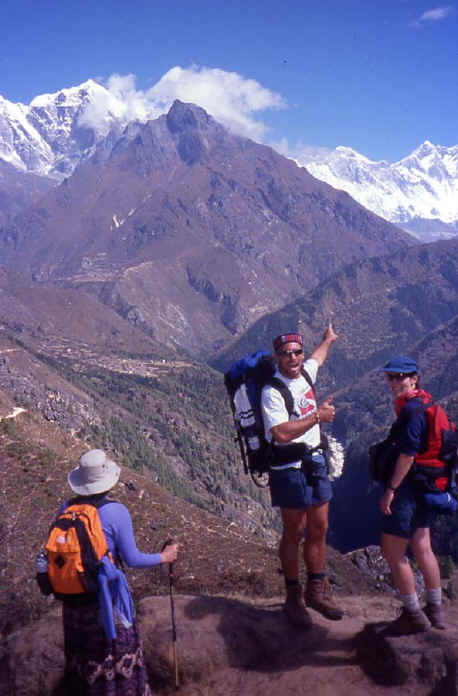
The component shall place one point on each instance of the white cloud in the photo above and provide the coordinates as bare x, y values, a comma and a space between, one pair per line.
229, 97
301, 153
437, 13
135, 103
434, 15
120, 100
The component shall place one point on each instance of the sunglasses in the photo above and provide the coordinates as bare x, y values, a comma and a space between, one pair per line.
398, 376
289, 353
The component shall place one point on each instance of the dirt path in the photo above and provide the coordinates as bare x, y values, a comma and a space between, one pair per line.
329, 662
248, 650
237, 647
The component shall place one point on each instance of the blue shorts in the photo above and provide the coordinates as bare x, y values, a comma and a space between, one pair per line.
409, 512
292, 488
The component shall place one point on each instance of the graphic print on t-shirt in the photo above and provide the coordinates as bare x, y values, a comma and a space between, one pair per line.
307, 403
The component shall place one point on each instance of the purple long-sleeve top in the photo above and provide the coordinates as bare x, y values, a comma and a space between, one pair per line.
117, 527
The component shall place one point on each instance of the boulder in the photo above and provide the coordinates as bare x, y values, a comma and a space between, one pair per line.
32, 658
429, 659
247, 647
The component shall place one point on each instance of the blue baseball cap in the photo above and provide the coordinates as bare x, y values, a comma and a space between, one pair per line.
401, 363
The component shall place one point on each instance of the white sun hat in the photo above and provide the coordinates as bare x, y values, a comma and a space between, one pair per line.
95, 473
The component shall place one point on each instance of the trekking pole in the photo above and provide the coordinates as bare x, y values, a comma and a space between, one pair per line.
174, 623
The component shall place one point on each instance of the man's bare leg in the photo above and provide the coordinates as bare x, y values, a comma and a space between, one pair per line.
315, 540
294, 521
317, 595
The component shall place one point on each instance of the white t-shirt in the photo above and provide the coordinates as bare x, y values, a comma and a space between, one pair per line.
274, 409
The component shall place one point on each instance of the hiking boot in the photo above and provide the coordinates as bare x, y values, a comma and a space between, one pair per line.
295, 607
435, 614
409, 622
319, 597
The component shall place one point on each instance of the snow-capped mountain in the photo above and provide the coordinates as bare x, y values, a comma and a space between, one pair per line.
418, 193
53, 133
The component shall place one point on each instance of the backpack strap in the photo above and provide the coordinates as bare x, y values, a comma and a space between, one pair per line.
296, 450
308, 379
90, 500
98, 503
88, 555
286, 453
280, 386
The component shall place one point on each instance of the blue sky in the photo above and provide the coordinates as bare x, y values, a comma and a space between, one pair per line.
378, 76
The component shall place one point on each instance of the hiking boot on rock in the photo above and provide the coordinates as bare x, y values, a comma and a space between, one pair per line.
435, 614
295, 607
409, 622
319, 597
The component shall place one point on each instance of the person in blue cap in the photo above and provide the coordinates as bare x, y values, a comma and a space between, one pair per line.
406, 516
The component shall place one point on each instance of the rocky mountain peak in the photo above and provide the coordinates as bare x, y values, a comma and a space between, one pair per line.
194, 128
183, 116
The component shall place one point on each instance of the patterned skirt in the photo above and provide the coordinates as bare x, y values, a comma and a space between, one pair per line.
96, 666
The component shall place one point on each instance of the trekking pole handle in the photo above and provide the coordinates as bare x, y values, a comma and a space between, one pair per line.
169, 542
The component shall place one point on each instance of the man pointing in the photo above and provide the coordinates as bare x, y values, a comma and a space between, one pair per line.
299, 483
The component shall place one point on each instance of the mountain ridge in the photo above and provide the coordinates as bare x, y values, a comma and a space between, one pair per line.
191, 232
58, 131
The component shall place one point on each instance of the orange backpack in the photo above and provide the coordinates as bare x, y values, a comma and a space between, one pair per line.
76, 545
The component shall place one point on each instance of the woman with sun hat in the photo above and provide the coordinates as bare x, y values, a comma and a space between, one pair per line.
103, 650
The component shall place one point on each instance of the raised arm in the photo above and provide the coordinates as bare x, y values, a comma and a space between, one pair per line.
321, 352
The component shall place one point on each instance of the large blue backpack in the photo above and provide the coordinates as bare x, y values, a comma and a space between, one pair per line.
244, 382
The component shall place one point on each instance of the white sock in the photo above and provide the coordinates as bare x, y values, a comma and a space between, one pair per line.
410, 602
434, 596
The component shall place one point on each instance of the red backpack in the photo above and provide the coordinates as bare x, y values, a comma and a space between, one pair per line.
436, 465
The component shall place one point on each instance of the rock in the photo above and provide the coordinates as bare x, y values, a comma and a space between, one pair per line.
231, 646
32, 661
427, 658
217, 633
215, 636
